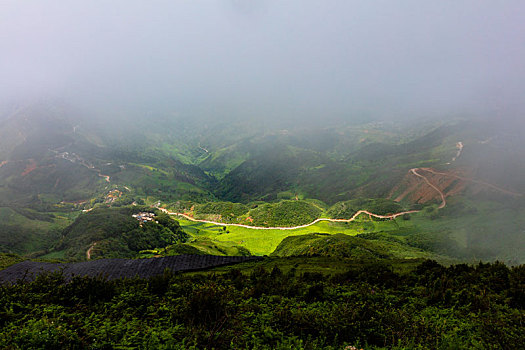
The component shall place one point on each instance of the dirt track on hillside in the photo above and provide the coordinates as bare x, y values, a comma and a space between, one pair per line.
88, 253
353, 218
391, 216
494, 187
441, 194
413, 171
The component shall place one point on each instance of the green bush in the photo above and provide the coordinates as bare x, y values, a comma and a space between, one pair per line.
284, 213
369, 305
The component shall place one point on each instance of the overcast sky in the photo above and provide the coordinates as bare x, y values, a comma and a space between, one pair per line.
279, 58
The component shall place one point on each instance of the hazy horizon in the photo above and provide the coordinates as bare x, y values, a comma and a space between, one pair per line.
269, 59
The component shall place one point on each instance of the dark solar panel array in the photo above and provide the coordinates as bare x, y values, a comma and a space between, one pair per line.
119, 268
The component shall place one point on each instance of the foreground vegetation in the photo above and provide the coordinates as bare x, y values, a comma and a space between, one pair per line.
365, 304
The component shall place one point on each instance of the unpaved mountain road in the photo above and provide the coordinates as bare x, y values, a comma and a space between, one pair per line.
88, 253
106, 177
494, 187
356, 215
441, 194
459, 146
391, 216
414, 171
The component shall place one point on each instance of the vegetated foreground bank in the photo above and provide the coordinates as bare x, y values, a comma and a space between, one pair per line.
117, 268
277, 303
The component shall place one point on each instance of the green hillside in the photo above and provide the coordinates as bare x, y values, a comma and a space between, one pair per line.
26, 231
7, 259
199, 246
113, 232
337, 246
347, 209
361, 247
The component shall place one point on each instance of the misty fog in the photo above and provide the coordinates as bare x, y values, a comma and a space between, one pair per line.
268, 59
262, 174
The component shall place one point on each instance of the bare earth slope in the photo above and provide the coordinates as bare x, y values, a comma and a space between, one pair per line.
430, 185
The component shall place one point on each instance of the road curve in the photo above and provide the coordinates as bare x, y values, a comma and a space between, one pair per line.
442, 195
106, 177
391, 216
88, 253
494, 187
356, 215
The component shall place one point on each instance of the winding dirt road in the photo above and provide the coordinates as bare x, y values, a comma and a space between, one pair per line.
459, 146
88, 253
106, 177
494, 187
202, 148
353, 218
441, 194
391, 216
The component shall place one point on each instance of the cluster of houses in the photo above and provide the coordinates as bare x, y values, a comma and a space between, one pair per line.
73, 158
144, 217
112, 196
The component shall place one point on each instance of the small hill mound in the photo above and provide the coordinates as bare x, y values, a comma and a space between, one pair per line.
338, 245
284, 213
200, 246
118, 234
226, 212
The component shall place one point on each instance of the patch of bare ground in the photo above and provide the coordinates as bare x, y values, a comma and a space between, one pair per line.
424, 185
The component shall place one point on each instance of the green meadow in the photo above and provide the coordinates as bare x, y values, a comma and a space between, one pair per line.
264, 242
25, 230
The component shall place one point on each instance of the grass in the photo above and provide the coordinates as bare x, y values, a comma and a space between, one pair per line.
479, 229
149, 167
264, 242
199, 246
60, 255
20, 234
7, 260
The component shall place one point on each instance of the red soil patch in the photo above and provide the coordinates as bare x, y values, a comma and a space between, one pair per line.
29, 167
416, 190
448, 183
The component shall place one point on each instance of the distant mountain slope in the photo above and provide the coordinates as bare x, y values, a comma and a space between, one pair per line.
370, 171
57, 162
489, 153
48, 155
27, 231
